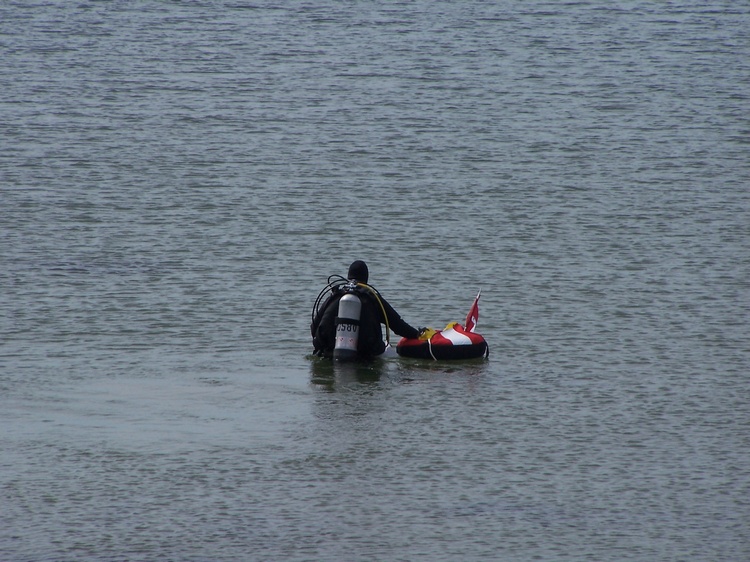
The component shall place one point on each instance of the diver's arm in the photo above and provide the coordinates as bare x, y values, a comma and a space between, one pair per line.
397, 324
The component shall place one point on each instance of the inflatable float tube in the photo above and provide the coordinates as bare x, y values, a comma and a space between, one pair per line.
452, 343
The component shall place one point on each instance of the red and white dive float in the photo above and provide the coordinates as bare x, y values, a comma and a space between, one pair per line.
454, 342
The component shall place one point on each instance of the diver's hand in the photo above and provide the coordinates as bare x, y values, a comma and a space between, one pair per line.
426, 333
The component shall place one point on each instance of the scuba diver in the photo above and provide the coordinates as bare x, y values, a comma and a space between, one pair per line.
347, 324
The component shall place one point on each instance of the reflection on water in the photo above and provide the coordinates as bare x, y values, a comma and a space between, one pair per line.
330, 375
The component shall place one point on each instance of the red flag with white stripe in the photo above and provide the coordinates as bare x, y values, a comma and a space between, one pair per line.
473, 317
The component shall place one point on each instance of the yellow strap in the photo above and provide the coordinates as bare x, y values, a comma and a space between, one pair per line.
374, 293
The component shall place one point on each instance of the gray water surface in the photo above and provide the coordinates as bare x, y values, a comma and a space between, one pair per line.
178, 180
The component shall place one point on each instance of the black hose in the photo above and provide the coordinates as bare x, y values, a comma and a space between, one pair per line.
334, 282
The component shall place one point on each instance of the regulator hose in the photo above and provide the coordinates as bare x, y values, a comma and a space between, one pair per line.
374, 292
334, 283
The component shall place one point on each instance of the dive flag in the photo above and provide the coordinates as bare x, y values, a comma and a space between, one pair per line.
473, 317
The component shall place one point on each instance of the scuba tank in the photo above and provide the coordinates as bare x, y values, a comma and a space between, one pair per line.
347, 328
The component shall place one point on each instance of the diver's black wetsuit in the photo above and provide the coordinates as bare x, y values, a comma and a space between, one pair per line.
370, 343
